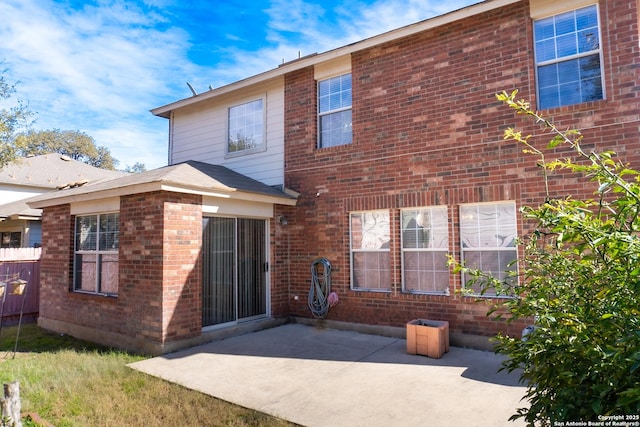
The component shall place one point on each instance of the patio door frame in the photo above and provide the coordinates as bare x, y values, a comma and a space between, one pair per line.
225, 271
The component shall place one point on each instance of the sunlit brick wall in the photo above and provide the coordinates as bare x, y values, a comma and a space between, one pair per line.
427, 130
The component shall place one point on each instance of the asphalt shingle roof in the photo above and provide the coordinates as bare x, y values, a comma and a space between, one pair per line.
51, 171
190, 175
46, 173
19, 208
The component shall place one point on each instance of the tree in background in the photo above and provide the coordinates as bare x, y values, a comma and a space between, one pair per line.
136, 168
12, 120
18, 140
580, 289
74, 144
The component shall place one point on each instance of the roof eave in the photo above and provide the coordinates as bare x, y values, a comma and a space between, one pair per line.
49, 199
233, 194
57, 200
478, 8
27, 217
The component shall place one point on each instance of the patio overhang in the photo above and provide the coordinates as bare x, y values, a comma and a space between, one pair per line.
189, 177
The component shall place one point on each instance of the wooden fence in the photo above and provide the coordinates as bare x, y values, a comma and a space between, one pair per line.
22, 263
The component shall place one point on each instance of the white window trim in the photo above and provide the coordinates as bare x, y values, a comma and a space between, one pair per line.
560, 9
445, 208
497, 248
352, 251
96, 252
258, 149
327, 113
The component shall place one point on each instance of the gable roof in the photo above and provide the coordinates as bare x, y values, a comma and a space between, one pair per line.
313, 59
51, 171
189, 177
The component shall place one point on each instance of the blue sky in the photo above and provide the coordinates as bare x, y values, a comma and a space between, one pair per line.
100, 66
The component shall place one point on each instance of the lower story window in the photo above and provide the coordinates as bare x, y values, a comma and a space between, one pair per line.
370, 251
425, 244
10, 239
96, 254
488, 232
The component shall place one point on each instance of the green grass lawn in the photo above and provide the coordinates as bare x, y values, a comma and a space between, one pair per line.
68, 382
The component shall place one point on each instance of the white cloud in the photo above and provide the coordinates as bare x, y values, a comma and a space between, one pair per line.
387, 15
299, 27
87, 69
101, 68
128, 139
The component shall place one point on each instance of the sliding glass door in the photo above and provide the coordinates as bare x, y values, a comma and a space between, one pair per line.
234, 270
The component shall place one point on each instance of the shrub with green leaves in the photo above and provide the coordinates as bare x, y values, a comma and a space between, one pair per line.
580, 286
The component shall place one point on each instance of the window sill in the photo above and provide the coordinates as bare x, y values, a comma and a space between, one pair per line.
242, 153
95, 294
487, 296
429, 293
334, 147
576, 108
377, 291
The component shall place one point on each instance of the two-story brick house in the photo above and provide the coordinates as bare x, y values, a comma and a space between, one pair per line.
382, 156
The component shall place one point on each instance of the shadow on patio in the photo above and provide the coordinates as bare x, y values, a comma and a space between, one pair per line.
325, 377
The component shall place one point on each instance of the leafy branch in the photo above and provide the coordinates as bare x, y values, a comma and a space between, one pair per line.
579, 287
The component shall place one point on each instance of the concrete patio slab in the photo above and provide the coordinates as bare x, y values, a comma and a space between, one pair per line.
320, 377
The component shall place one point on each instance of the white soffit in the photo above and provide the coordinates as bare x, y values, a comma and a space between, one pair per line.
214, 206
103, 205
545, 8
335, 67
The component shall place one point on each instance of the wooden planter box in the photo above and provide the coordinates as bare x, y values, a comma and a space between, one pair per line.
428, 337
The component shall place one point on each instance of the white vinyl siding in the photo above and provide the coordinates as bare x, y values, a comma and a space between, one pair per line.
200, 132
11, 193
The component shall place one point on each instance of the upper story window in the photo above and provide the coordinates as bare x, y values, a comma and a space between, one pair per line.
334, 111
96, 254
567, 50
246, 127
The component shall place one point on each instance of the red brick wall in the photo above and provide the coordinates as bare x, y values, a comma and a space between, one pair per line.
57, 255
159, 291
141, 264
160, 280
57, 301
280, 261
427, 130
182, 276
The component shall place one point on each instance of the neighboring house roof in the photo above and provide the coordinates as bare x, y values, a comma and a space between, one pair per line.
45, 173
19, 210
313, 59
188, 177
51, 171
